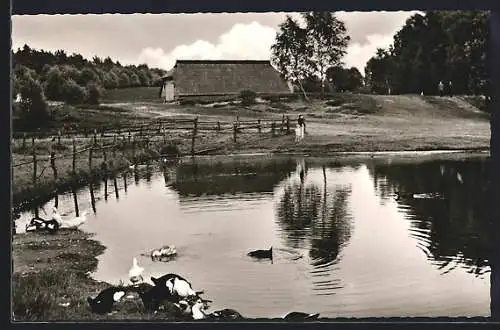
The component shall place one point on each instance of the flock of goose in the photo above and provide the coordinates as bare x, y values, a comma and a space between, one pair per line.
56, 222
175, 291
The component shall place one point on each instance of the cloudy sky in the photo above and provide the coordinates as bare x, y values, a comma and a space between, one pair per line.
158, 40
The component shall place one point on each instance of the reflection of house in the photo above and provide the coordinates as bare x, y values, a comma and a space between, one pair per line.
229, 178
215, 78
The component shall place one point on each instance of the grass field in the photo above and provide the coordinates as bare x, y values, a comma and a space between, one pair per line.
49, 270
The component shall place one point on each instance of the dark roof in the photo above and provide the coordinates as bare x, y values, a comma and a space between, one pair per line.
218, 77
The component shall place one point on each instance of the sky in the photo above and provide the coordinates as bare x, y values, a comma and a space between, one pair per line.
159, 39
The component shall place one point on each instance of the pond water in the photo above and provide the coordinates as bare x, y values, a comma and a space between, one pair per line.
343, 245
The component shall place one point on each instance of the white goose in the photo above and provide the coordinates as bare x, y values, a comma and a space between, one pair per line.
73, 223
135, 273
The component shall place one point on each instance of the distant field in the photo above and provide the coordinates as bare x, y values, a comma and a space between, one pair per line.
135, 94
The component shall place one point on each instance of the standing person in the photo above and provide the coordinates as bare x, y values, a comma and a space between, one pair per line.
441, 88
450, 88
302, 123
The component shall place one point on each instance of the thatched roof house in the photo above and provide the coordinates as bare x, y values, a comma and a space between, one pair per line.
198, 78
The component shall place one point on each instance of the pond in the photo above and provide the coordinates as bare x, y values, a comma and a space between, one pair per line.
343, 246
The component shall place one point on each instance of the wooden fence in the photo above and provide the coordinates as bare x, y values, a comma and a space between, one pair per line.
135, 136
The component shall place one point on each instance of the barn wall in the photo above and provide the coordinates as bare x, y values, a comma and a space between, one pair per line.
168, 91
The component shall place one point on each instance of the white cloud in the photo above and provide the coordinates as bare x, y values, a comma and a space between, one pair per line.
242, 42
253, 41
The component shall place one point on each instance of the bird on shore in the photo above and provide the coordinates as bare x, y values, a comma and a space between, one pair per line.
198, 313
135, 272
75, 222
300, 316
152, 296
38, 223
176, 285
104, 301
261, 254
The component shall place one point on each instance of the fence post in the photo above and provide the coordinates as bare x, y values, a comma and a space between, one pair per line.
235, 131
287, 125
218, 126
53, 164
34, 161
73, 165
282, 123
273, 128
24, 140
129, 136
164, 134
104, 156
193, 138
114, 146
259, 127
237, 121
59, 138
95, 136
90, 158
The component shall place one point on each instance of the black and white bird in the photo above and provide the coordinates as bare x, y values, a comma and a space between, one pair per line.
152, 296
300, 316
38, 223
261, 254
176, 285
105, 300
198, 313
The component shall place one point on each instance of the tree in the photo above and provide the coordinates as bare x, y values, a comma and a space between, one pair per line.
55, 84
74, 93
289, 52
344, 79
299, 53
33, 108
326, 42
93, 93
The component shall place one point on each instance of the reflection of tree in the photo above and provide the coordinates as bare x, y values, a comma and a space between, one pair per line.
333, 231
454, 228
230, 177
305, 211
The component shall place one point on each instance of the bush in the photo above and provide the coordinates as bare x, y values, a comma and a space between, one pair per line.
170, 149
33, 106
93, 94
74, 93
247, 97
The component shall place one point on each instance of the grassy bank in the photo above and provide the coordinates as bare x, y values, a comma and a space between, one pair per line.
50, 280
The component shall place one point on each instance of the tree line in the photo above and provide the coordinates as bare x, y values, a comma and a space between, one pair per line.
447, 46
39, 75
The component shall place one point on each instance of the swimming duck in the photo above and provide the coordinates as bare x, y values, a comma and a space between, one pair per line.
104, 301
75, 222
261, 254
197, 313
168, 251
38, 223
300, 316
135, 272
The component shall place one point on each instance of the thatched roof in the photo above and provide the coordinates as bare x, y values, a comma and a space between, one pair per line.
222, 77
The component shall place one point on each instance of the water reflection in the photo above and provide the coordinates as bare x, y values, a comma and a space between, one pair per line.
197, 178
452, 231
359, 247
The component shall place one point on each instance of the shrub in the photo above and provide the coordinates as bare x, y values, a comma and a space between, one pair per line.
170, 149
33, 108
247, 97
74, 93
93, 94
